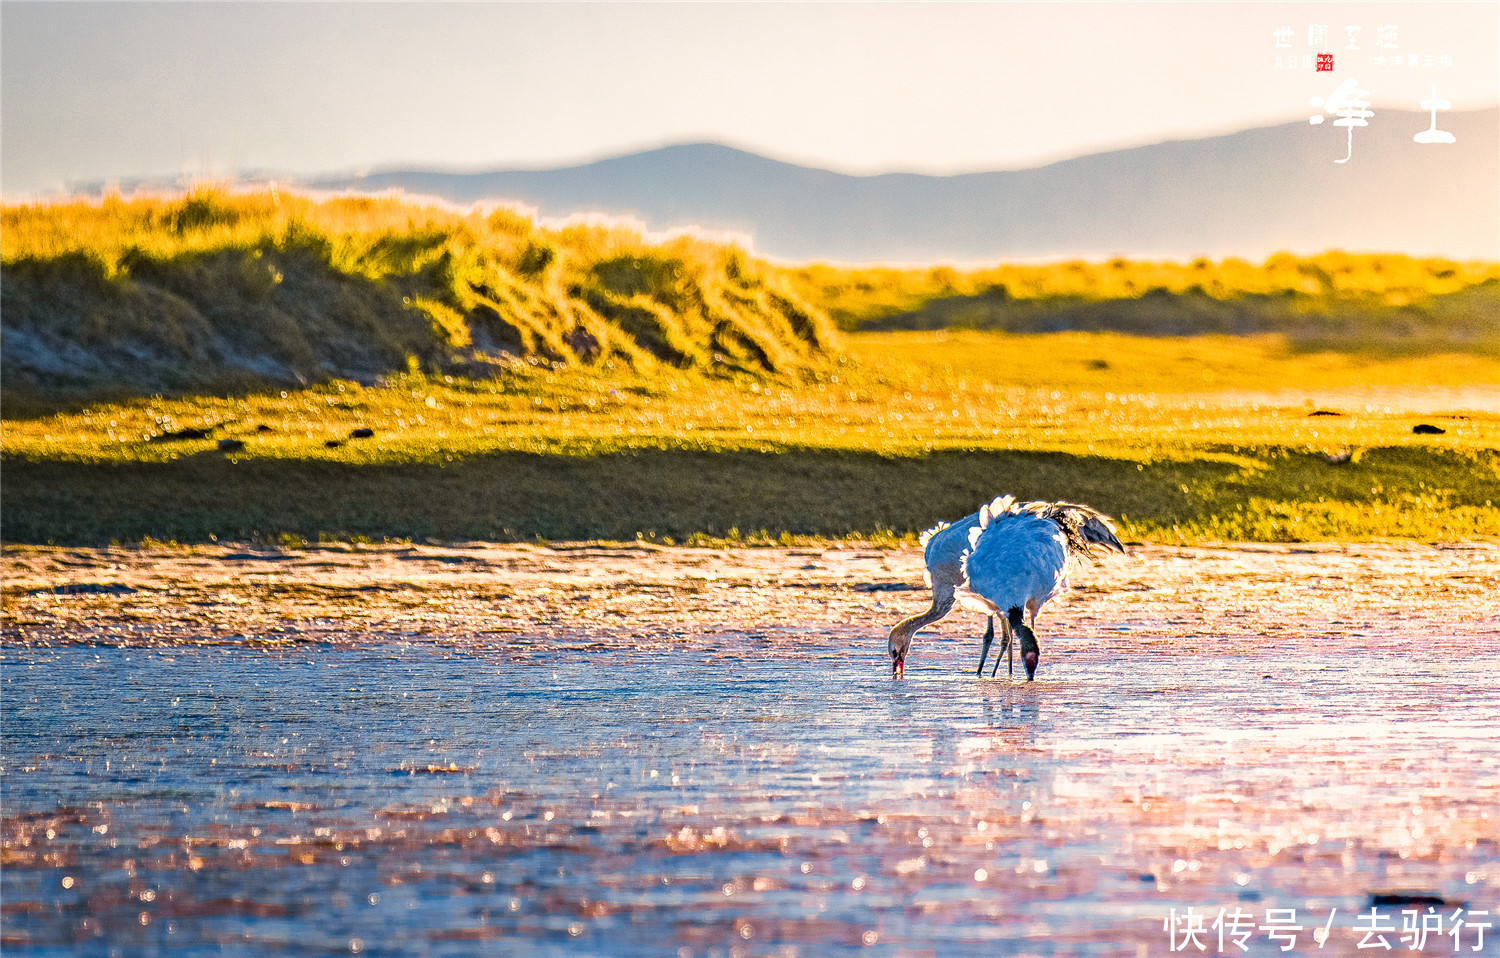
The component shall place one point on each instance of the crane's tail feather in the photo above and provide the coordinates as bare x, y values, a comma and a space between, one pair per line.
1085, 527
1099, 530
927, 535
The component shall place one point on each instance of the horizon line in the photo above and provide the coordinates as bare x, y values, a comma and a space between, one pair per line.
140, 181
653, 146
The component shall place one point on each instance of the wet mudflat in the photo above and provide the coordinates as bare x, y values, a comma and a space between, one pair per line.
635, 751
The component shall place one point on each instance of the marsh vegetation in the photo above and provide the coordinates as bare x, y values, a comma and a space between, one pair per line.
273, 367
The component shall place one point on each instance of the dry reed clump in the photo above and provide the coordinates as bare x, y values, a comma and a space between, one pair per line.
213, 290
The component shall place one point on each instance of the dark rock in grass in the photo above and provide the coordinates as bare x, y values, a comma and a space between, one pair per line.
264, 428
1324, 412
582, 342
231, 445
1423, 429
185, 434
334, 443
361, 433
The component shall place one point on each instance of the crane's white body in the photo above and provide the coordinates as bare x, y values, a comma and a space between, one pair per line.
1019, 560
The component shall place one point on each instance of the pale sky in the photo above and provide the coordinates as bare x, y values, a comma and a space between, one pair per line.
122, 90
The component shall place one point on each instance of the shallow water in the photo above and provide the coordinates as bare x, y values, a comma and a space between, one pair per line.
737, 790
732, 795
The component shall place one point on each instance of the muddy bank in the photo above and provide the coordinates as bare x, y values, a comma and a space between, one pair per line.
1179, 600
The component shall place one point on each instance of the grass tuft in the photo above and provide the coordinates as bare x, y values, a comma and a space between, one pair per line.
218, 292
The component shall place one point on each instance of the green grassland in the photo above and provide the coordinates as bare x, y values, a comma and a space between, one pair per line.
1272, 436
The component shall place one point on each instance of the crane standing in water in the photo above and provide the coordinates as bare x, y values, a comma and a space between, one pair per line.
943, 548
1018, 560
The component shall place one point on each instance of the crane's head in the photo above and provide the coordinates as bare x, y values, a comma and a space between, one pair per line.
1031, 652
900, 642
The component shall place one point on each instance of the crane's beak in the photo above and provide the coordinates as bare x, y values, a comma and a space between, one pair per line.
898, 665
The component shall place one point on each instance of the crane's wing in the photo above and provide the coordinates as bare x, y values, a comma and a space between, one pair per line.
924, 541
942, 551
927, 535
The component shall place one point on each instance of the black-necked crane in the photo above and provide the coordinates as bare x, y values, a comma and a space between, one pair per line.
1018, 559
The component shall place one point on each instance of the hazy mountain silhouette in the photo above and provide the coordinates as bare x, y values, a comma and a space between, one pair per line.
1247, 193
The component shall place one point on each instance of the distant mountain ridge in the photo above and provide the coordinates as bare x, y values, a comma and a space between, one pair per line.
1248, 193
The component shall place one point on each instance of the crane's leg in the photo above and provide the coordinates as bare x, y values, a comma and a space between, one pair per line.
984, 648
1005, 644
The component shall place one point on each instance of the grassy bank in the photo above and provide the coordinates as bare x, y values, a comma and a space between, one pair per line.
675, 495
1345, 302
222, 293
1198, 438
274, 366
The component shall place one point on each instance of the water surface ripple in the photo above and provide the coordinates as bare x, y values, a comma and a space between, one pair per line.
750, 791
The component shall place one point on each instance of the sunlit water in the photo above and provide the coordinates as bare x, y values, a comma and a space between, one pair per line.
765, 793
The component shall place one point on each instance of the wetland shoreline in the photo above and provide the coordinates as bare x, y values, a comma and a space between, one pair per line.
625, 749
477, 593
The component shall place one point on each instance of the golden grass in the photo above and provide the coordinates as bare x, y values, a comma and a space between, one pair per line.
583, 382
893, 394
859, 297
1205, 438
1380, 304
215, 291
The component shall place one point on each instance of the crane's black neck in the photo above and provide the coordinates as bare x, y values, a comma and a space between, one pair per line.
1031, 652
